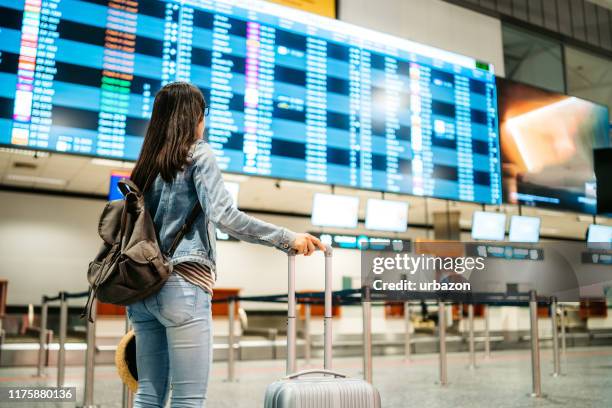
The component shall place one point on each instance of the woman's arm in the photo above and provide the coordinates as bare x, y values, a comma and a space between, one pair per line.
214, 196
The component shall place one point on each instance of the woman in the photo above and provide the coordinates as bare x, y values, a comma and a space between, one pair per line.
173, 327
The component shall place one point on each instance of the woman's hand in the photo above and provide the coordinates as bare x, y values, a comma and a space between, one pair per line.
306, 244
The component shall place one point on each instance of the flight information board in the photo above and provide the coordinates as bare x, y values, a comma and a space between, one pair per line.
292, 94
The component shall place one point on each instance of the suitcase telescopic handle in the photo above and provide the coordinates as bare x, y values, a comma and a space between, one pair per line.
308, 372
327, 320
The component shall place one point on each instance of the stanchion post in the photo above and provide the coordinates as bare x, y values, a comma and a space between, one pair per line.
563, 338
291, 340
407, 335
472, 364
367, 340
307, 340
536, 382
442, 341
90, 363
487, 333
42, 340
126, 399
231, 341
2, 336
61, 355
555, 337
328, 345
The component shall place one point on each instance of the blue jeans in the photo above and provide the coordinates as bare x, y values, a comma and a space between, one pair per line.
173, 345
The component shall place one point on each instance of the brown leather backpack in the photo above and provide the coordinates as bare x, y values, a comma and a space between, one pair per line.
130, 264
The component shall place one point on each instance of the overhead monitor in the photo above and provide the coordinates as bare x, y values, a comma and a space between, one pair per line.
488, 226
233, 188
547, 141
292, 94
386, 215
113, 190
332, 210
599, 235
524, 229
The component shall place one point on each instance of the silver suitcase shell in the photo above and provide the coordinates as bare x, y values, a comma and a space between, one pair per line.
328, 389
321, 392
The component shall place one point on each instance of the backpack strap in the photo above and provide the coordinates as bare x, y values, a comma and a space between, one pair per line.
87, 309
126, 186
195, 212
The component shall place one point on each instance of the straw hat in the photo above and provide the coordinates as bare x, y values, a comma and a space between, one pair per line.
125, 361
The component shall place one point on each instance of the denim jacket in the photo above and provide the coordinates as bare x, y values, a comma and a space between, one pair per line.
171, 203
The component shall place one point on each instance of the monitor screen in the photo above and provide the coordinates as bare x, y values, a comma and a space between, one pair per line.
331, 210
599, 234
292, 95
547, 141
488, 226
386, 215
113, 190
524, 229
233, 188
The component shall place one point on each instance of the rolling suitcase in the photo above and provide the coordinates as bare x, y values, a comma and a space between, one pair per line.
328, 389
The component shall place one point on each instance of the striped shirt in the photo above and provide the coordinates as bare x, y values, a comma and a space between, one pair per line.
197, 274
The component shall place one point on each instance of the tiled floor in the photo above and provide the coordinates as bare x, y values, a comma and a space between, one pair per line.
503, 381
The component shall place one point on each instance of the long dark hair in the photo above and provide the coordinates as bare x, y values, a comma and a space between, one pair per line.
177, 111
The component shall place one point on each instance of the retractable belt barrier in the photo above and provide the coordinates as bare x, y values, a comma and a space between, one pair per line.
345, 297
351, 297
45, 339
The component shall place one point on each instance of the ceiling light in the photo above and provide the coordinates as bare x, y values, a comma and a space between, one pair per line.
24, 152
585, 218
549, 213
237, 178
35, 179
299, 184
112, 163
464, 223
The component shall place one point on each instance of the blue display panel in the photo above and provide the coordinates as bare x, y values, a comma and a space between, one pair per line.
292, 95
113, 189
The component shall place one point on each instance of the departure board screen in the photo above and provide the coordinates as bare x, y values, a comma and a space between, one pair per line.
292, 95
